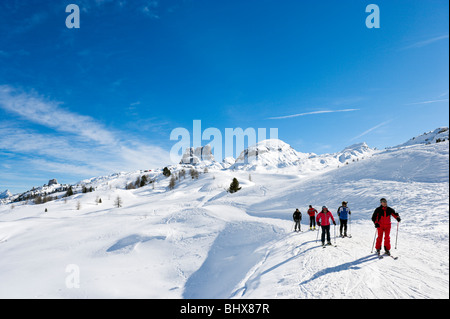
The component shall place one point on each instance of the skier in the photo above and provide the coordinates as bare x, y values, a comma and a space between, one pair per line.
382, 219
312, 217
343, 213
323, 220
297, 218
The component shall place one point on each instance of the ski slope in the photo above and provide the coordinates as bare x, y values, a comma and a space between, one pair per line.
198, 241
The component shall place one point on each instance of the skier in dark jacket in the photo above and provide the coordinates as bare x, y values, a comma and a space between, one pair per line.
297, 218
343, 213
382, 219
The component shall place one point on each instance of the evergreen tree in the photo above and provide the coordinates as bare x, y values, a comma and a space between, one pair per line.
69, 192
234, 186
144, 180
166, 172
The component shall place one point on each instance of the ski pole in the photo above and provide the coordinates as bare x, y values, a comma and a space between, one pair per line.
350, 226
335, 234
373, 245
396, 236
317, 238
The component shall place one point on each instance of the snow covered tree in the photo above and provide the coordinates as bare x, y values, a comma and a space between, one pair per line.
172, 183
194, 173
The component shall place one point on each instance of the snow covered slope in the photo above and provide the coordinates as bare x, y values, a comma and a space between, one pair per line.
199, 241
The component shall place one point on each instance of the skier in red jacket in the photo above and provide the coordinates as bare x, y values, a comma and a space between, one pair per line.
382, 219
323, 220
312, 217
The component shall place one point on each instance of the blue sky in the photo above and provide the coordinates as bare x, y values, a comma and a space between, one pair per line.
77, 103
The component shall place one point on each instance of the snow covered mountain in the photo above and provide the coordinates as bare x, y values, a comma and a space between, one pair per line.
436, 136
5, 197
268, 154
5, 194
273, 155
196, 240
197, 155
49, 191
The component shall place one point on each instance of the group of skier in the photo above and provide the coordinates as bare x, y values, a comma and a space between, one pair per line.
381, 219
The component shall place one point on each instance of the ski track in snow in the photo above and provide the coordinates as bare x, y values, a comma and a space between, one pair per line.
198, 241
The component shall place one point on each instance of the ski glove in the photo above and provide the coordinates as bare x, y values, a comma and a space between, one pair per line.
334, 223
398, 219
377, 225
318, 223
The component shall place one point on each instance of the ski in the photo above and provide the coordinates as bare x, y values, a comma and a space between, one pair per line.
3, 241
386, 255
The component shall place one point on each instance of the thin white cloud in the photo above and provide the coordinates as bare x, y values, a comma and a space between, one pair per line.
310, 113
423, 43
370, 130
37, 109
428, 102
444, 94
77, 142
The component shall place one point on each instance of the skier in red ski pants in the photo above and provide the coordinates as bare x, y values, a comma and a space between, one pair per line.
382, 219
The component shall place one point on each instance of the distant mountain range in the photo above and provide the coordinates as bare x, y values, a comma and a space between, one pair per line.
271, 155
